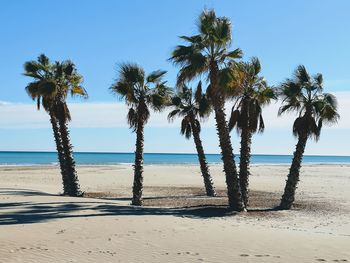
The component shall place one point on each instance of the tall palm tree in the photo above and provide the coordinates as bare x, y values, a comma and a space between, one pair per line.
50, 88
141, 93
192, 107
304, 95
251, 93
208, 53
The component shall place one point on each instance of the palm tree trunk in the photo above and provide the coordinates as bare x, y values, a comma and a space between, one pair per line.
246, 140
232, 182
72, 176
293, 176
233, 187
138, 166
244, 169
60, 152
208, 182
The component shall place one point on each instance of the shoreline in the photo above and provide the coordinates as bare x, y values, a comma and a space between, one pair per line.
167, 164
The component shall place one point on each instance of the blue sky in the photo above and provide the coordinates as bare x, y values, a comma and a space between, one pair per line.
97, 35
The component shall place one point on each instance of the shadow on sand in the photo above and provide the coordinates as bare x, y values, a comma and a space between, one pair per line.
35, 212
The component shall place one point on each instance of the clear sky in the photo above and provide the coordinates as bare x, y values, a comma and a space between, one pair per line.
97, 35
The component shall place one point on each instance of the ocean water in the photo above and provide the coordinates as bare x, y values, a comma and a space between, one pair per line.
93, 158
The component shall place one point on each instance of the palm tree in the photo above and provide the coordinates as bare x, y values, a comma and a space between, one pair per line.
207, 53
50, 88
141, 93
192, 107
246, 116
304, 95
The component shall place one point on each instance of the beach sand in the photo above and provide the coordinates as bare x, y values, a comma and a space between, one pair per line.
178, 223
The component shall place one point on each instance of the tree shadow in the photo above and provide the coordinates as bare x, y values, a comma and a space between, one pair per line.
27, 212
23, 192
36, 212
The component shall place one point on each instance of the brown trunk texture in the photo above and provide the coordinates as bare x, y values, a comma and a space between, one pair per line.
60, 152
138, 166
72, 177
244, 169
232, 181
293, 176
208, 181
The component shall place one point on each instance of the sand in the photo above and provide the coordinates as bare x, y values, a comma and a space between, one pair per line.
178, 223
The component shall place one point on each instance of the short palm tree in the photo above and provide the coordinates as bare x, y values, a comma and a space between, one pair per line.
53, 82
191, 107
208, 53
304, 95
141, 93
251, 93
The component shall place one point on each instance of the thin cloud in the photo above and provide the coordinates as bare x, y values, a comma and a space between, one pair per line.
2, 103
113, 115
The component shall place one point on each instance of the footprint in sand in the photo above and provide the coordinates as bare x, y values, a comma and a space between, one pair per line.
61, 231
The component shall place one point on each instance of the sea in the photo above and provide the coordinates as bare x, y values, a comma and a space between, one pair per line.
101, 158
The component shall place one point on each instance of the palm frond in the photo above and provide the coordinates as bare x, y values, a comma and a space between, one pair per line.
319, 80
132, 118
261, 124
204, 107
196, 39
155, 76
235, 115
80, 91
198, 93
328, 112
222, 31
159, 97
301, 74
173, 114
176, 101
124, 91
186, 128
197, 66
235, 54
206, 21
254, 111
44, 60
131, 73
256, 65
48, 88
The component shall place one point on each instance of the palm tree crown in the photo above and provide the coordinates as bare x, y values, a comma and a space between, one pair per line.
208, 48
190, 106
251, 93
304, 94
136, 89
53, 82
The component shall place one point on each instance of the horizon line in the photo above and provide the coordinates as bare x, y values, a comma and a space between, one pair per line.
169, 153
